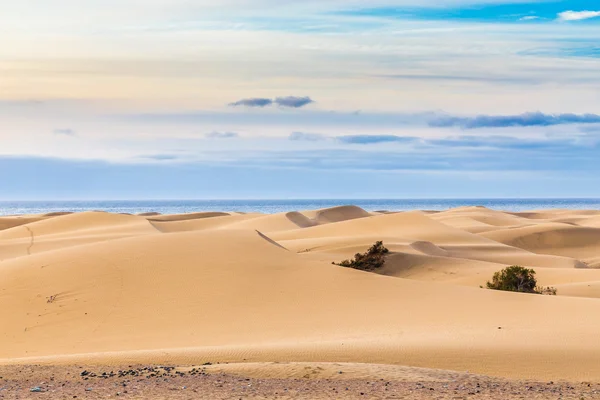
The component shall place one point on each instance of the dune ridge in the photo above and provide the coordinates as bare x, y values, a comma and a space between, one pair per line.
231, 287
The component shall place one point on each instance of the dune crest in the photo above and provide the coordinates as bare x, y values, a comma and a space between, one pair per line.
185, 217
339, 214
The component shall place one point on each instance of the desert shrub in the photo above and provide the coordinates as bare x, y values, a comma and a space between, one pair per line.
370, 261
550, 291
518, 279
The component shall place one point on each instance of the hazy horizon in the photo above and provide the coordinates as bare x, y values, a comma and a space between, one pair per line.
284, 206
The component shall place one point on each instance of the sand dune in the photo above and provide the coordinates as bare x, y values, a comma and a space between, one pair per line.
552, 238
115, 289
77, 223
185, 217
411, 226
11, 222
68, 230
482, 215
338, 214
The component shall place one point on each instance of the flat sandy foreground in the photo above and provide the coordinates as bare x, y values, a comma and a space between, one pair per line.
258, 297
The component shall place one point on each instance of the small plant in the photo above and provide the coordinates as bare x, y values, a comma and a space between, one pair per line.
518, 279
550, 291
372, 260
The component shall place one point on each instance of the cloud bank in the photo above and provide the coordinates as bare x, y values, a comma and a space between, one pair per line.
507, 121
286, 102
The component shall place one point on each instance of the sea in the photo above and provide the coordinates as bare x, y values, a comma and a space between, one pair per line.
277, 206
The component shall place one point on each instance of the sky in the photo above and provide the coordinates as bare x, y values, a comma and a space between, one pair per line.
234, 99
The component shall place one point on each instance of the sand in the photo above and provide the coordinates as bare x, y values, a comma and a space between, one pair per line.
102, 289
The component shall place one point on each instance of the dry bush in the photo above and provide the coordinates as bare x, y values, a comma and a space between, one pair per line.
372, 260
518, 279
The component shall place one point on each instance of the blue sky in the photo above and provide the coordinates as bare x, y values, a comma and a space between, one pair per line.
522, 11
285, 99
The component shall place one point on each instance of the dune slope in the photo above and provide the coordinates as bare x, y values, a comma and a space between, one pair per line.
218, 288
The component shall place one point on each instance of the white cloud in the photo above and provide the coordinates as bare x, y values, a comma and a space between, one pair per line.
577, 15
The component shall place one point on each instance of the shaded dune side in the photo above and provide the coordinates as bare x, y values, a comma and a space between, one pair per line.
269, 240
339, 214
12, 222
58, 213
300, 220
326, 216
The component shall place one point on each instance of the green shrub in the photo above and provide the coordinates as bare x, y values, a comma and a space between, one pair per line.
370, 261
518, 279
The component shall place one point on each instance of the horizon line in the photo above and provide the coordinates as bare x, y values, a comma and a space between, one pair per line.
301, 199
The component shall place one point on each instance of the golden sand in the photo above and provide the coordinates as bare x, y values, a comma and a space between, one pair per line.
246, 288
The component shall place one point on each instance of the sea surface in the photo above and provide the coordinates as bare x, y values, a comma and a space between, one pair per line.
276, 206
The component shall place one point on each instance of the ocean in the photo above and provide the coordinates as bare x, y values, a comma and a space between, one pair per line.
276, 206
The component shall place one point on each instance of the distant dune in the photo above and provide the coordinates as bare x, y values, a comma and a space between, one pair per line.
104, 288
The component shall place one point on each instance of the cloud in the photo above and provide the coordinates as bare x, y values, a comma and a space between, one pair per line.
160, 157
288, 101
373, 139
253, 102
350, 122
529, 18
577, 15
222, 135
65, 132
293, 101
506, 121
308, 137
501, 142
